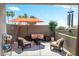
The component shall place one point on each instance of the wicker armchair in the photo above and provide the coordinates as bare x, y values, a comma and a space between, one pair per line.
22, 42
57, 44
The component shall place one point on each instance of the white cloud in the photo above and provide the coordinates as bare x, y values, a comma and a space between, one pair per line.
67, 6
14, 8
62, 23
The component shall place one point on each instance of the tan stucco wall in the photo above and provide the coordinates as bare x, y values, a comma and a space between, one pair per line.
2, 24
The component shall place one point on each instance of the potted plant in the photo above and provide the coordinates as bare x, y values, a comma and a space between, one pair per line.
52, 27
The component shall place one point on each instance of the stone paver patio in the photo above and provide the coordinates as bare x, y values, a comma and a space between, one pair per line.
37, 50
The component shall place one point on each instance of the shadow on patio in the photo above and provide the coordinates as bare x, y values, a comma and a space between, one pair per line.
42, 50
62, 53
33, 48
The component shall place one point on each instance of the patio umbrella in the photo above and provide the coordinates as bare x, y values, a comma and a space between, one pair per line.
28, 20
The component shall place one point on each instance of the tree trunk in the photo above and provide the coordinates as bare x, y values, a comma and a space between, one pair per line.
51, 33
8, 20
54, 35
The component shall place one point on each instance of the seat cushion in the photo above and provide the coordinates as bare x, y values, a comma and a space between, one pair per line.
40, 36
54, 44
20, 38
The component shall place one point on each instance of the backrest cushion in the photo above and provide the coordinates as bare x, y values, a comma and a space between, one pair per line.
21, 38
9, 37
59, 41
34, 36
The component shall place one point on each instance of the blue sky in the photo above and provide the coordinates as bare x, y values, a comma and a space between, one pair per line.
46, 13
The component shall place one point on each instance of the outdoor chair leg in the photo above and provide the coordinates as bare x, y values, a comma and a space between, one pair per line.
30, 45
22, 48
60, 49
18, 46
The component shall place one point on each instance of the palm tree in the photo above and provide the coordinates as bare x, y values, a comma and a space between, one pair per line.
31, 23
25, 16
52, 27
20, 16
32, 17
12, 14
8, 15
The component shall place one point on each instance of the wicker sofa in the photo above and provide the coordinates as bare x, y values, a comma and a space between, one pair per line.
37, 38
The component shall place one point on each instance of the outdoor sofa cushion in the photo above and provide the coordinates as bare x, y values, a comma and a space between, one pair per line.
39, 36
34, 36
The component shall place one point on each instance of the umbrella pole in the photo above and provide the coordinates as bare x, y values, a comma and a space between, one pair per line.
18, 31
27, 29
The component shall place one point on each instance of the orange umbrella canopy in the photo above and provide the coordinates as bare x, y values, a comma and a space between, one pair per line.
26, 20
